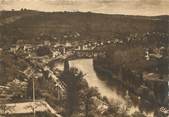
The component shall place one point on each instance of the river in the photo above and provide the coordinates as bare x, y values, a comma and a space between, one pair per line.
86, 66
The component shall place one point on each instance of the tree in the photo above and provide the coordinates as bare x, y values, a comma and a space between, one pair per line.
18, 89
42, 51
72, 79
89, 101
66, 66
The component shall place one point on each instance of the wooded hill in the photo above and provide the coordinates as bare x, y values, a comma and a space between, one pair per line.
55, 25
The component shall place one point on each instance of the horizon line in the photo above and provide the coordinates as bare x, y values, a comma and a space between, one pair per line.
76, 11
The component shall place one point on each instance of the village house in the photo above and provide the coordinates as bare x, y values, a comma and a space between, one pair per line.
1, 50
47, 43
154, 53
56, 45
27, 108
28, 47
67, 44
14, 48
147, 55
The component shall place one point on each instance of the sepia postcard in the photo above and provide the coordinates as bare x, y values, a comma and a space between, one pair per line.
84, 58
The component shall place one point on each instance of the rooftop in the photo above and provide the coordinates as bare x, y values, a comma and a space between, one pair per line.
27, 108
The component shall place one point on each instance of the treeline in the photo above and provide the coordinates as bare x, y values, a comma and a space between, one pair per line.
129, 66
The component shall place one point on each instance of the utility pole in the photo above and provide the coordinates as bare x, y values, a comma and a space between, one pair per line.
33, 90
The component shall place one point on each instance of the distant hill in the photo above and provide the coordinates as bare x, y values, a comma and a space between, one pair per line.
64, 25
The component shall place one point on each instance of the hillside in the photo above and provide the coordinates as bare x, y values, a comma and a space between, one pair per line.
77, 25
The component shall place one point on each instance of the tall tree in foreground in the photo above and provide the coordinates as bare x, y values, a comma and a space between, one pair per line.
72, 79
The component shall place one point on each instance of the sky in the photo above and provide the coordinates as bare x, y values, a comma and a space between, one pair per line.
128, 7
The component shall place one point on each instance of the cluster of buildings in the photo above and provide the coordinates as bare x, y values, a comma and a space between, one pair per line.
155, 53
